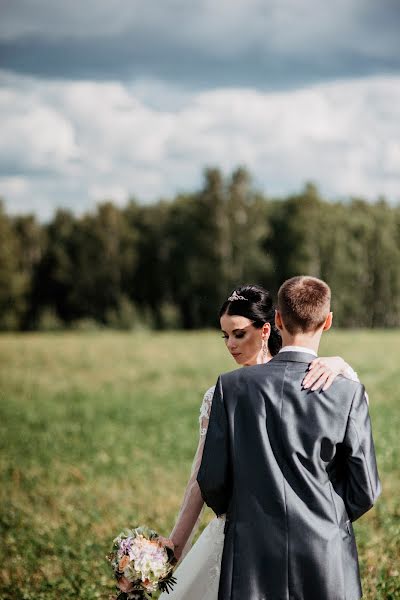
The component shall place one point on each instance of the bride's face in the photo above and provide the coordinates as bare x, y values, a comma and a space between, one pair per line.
243, 340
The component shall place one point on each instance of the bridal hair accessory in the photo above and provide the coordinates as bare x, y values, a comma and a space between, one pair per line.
235, 296
141, 564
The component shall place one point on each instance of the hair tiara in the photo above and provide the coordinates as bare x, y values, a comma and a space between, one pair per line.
235, 296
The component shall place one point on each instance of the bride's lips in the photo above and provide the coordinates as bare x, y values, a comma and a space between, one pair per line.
235, 355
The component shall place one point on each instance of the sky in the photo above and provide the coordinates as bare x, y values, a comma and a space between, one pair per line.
112, 99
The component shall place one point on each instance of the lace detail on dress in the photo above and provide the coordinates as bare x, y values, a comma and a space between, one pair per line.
205, 410
217, 526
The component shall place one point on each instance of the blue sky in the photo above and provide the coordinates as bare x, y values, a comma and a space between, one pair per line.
117, 99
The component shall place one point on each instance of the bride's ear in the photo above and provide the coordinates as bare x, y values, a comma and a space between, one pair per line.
266, 330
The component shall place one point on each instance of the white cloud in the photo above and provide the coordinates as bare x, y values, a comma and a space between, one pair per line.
74, 143
14, 186
36, 135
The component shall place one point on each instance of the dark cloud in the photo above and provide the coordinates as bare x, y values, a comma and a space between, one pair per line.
280, 48
124, 59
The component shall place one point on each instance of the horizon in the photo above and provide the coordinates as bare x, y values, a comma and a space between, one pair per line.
90, 210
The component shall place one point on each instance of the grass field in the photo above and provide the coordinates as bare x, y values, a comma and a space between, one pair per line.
98, 431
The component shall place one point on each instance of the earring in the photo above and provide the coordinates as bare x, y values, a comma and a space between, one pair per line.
264, 348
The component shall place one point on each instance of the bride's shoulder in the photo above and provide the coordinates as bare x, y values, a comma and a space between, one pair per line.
206, 403
209, 393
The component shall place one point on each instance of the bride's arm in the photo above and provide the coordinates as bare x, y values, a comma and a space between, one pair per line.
324, 369
192, 504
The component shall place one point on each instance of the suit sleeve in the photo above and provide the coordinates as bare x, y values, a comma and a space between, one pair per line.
214, 473
362, 486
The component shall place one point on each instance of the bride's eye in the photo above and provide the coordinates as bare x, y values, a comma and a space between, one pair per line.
224, 337
239, 336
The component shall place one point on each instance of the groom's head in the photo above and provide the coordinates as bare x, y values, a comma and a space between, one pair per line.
304, 305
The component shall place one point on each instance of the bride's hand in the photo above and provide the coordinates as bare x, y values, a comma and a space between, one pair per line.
177, 550
168, 543
322, 371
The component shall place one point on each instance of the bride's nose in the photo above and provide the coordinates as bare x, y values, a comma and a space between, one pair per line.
231, 344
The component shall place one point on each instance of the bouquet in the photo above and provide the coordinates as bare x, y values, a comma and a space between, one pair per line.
141, 564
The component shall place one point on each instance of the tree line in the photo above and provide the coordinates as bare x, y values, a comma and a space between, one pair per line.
172, 264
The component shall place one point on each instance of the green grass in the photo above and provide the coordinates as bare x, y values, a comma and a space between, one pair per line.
98, 431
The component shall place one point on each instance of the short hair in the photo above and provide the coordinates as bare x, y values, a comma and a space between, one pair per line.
304, 303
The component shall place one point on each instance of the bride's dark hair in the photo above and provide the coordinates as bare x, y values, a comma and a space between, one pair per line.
257, 306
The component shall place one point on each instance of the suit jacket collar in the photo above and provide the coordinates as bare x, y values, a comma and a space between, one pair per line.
302, 357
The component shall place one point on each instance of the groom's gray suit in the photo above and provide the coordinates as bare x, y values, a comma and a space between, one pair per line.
291, 469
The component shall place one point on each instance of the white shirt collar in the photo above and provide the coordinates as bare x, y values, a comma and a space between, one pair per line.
298, 349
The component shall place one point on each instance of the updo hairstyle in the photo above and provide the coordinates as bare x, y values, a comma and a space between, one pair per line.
257, 307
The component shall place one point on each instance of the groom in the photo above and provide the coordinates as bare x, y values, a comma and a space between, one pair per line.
291, 468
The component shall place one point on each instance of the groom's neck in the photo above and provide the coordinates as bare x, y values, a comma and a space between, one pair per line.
305, 340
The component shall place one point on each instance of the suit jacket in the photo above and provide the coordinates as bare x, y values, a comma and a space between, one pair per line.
291, 469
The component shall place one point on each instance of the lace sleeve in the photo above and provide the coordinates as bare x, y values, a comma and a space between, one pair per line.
350, 373
192, 505
205, 410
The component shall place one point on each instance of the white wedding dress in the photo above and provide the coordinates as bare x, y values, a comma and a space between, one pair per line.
197, 574
198, 571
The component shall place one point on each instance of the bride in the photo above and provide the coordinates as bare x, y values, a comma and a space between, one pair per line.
247, 324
